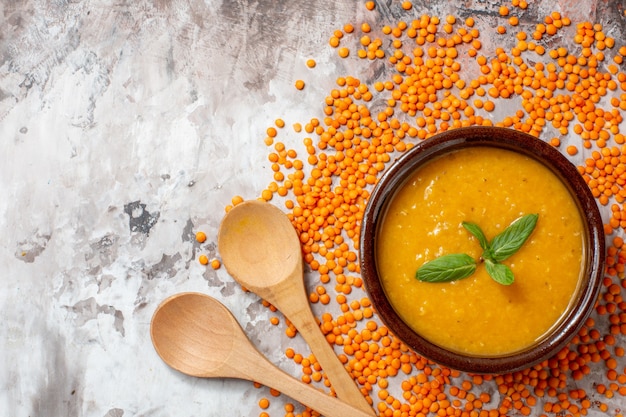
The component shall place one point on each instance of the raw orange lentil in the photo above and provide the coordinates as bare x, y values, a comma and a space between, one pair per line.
311, 63
266, 195
264, 403
203, 259
216, 264
299, 84
274, 392
200, 237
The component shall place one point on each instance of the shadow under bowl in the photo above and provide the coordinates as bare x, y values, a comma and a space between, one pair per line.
593, 247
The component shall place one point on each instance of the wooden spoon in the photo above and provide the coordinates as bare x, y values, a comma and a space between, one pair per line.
197, 335
261, 250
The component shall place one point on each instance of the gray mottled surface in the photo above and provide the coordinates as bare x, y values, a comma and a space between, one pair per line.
126, 126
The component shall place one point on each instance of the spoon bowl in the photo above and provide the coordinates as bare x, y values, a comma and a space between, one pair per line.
183, 330
260, 247
261, 250
197, 335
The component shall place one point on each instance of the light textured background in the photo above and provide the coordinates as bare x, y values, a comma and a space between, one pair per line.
126, 126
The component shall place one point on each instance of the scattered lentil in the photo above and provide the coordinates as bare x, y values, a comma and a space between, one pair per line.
264, 403
200, 237
216, 264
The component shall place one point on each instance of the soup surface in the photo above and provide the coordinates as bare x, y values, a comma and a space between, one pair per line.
490, 187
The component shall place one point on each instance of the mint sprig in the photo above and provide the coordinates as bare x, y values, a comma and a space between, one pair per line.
453, 267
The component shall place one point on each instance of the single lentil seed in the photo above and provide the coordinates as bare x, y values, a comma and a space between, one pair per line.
200, 237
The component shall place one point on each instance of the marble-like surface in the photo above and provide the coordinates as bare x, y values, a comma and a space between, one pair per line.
125, 127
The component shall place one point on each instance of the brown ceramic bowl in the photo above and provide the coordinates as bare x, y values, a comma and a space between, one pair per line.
593, 246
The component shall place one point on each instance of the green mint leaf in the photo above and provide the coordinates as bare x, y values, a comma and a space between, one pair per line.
500, 273
513, 237
475, 230
447, 268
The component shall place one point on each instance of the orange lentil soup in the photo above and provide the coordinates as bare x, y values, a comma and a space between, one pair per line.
490, 187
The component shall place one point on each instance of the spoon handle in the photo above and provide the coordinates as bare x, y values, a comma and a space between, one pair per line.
252, 365
302, 318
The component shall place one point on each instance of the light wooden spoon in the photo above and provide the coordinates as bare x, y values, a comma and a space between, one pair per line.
261, 250
197, 335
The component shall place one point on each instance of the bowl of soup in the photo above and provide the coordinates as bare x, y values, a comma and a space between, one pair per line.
482, 249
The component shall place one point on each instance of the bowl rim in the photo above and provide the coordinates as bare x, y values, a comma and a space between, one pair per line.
594, 245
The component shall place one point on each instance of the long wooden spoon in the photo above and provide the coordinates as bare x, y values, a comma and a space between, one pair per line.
261, 250
197, 335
